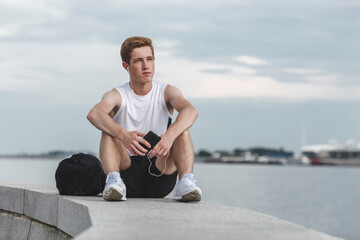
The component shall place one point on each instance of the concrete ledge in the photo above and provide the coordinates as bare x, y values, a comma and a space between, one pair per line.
77, 213
139, 219
5, 225
40, 231
12, 199
42, 207
167, 219
27, 214
17, 224
20, 227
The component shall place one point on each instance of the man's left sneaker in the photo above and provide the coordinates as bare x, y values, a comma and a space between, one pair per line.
186, 189
115, 189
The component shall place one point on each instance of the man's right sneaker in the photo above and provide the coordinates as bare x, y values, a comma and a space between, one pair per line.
186, 189
115, 189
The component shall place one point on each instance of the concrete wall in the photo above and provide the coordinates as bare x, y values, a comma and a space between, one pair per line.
26, 214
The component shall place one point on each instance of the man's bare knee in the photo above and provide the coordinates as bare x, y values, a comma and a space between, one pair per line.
184, 137
113, 154
185, 133
108, 139
106, 136
183, 153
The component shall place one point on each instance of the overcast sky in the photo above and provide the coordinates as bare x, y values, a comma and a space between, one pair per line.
261, 73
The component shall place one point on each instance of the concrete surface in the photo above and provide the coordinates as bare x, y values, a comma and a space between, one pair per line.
79, 214
40, 206
148, 218
12, 199
20, 223
39, 214
40, 231
5, 225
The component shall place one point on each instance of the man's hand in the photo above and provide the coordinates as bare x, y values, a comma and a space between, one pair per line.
132, 140
162, 147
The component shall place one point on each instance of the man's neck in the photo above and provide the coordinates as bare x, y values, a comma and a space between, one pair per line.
141, 88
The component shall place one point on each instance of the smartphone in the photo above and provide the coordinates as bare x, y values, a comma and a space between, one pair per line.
151, 138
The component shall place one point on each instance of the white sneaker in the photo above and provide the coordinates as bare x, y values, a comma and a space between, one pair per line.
186, 189
115, 189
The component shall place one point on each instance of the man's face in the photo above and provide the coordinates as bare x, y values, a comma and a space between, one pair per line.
142, 64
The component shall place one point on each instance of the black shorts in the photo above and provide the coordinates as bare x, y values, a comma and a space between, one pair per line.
140, 184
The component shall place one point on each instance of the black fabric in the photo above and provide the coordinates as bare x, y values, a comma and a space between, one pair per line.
80, 175
169, 122
140, 184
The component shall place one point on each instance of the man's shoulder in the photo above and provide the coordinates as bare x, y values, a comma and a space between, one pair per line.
121, 90
170, 88
172, 93
113, 95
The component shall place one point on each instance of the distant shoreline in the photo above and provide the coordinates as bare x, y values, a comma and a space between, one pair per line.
31, 157
50, 155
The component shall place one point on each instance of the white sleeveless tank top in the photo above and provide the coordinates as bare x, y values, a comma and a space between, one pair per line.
143, 113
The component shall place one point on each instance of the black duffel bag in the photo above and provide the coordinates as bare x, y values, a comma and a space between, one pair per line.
81, 175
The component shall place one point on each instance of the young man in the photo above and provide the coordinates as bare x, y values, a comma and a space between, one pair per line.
126, 114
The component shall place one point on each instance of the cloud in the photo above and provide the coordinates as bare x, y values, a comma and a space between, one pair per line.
8, 30
224, 68
81, 73
67, 73
62, 44
326, 79
29, 20
55, 10
190, 77
65, 55
303, 71
165, 43
176, 26
253, 61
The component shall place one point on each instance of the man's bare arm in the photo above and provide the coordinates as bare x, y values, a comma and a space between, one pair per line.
185, 119
99, 116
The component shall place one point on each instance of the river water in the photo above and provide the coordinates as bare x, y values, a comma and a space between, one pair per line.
323, 198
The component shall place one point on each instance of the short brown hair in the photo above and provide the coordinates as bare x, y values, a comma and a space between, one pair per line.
134, 42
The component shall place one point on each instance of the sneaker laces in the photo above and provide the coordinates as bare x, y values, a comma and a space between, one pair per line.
190, 177
112, 178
